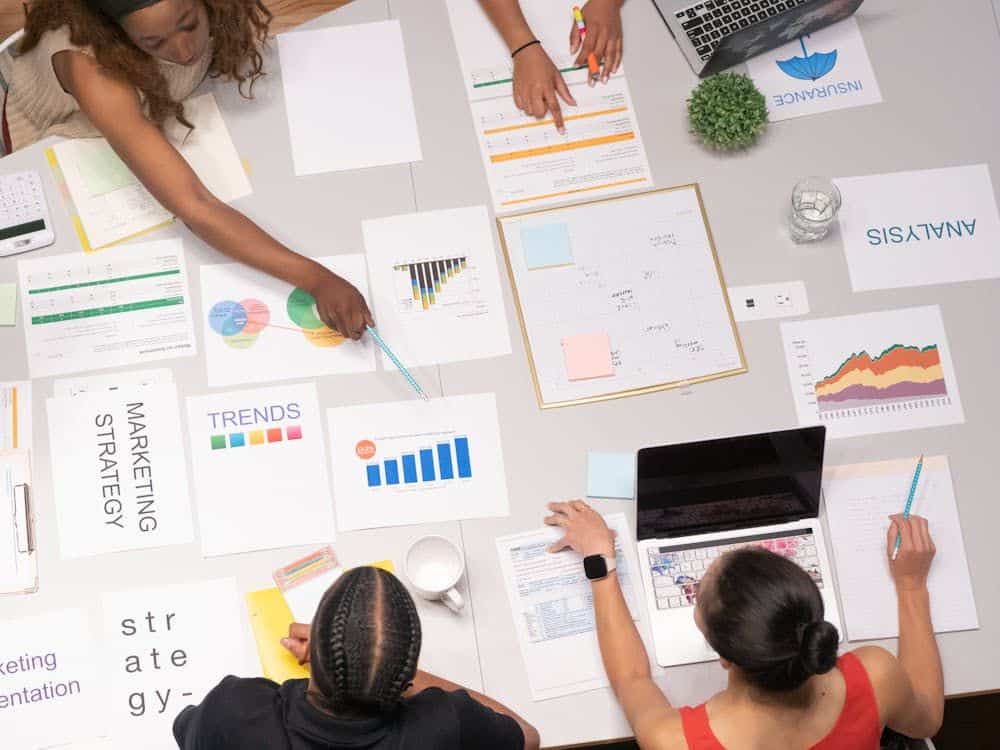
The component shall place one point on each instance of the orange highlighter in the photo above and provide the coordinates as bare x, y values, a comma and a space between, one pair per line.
595, 69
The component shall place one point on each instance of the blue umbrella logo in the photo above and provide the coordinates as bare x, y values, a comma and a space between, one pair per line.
808, 67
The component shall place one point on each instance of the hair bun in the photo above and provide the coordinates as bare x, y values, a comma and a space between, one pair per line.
818, 647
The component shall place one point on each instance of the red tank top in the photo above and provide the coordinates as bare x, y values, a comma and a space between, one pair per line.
857, 728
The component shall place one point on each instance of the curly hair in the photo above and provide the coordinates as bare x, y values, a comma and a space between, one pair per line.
238, 30
364, 644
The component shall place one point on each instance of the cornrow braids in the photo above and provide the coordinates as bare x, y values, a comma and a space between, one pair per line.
365, 643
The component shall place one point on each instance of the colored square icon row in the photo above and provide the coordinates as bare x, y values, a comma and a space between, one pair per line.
256, 437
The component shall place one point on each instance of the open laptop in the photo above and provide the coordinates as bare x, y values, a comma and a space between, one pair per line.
696, 501
718, 34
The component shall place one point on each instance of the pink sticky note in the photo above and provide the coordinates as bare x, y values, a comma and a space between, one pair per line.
588, 356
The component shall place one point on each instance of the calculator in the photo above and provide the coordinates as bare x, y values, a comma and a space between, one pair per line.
24, 215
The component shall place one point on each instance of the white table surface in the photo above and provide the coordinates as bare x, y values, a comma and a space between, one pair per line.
942, 105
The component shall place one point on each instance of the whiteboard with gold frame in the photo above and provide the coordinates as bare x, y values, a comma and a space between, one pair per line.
641, 268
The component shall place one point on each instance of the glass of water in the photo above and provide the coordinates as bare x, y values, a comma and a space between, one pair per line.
815, 203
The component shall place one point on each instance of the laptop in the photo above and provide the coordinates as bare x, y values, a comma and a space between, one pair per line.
696, 501
717, 34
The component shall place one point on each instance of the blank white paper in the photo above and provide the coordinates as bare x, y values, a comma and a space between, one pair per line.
348, 98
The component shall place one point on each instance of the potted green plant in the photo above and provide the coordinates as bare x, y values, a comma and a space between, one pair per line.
727, 112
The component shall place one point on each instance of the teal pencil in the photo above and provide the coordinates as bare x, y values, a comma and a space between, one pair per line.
399, 365
909, 504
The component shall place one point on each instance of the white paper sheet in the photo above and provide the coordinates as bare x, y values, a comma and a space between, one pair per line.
823, 71
165, 648
67, 387
118, 470
444, 455
874, 372
436, 286
129, 305
553, 608
528, 163
15, 415
644, 273
257, 328
54, 694
348, 98
914, 228
259, 469
111, 202
859, 500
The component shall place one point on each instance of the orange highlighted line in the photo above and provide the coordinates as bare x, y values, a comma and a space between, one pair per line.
558, 147
574, 191
550, 121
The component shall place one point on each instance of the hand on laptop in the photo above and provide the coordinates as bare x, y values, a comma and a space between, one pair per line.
584, 529
603, 21
538, 85
916, 551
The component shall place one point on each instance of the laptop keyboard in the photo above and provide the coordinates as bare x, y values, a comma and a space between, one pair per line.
707, 23
677, 570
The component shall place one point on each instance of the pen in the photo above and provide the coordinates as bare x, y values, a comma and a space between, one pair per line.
909, 503
399, 365
595, 69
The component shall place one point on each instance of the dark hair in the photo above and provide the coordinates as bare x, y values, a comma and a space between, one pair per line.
764, 613
364, 643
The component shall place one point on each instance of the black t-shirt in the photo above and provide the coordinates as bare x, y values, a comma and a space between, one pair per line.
257, 713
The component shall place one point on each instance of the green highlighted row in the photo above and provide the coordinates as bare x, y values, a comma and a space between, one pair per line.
109, 310
116, 280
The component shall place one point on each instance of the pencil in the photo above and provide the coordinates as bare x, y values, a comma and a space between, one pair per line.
399, 365
909, 504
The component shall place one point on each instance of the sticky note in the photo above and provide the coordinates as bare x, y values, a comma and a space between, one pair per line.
588, 356
546, 245
103, 171
8, 304
269, 619
611, 475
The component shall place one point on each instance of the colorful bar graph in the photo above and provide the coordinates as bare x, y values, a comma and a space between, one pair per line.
462, 457
444, 460
429, 277
409, 468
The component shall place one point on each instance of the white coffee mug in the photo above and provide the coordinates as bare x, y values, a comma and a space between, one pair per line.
435, 566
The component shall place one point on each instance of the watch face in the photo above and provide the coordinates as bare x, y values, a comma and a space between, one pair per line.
595, 566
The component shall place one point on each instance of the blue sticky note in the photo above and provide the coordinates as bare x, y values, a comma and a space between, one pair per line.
546, 245
611, 475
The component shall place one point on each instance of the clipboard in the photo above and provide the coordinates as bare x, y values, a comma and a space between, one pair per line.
18, 555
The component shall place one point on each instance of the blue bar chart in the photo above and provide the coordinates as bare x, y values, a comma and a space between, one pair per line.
441, 462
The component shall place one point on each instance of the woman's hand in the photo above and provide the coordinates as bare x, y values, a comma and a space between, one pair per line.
298, 641
603, 21
341, 306
584, 529
538, 85
916, 551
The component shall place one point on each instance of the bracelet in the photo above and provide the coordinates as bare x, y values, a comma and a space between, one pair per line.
523, 46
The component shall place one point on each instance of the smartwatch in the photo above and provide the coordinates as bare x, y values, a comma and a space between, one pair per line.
597, 567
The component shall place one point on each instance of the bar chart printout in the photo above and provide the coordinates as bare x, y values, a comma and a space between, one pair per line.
442, 462
424, 284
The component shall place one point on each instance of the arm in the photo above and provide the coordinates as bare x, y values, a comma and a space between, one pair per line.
626, 662
114, 108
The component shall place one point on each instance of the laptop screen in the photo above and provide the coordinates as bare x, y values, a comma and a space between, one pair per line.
730, 483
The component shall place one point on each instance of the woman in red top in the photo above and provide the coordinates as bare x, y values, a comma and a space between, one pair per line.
786, 687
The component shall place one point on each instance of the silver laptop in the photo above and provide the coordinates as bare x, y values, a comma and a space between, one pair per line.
717, 34
696, 501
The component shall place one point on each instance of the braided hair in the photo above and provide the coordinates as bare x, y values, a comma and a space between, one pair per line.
364, 644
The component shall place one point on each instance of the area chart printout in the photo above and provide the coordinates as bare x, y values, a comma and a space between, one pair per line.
414, 462
258, 328
436, 286
859, 500
553, 608
637, 276
528, 163
129, 305
875, 372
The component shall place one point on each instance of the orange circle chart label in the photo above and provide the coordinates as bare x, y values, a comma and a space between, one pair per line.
365, 450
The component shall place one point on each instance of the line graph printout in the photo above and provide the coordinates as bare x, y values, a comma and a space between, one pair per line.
641, 270
258, 328
528, 163
411, 462
875, 372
